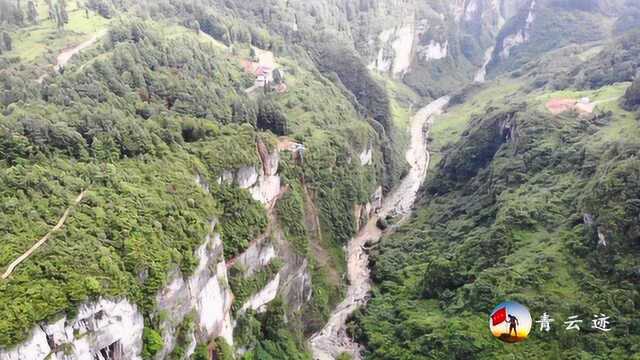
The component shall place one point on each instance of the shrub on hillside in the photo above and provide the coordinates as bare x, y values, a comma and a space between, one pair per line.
631, 100
439, 276
271, 117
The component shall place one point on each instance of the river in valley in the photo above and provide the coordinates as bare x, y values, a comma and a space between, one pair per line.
333, 340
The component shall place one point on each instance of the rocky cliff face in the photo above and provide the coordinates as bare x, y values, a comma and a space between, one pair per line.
433, 45
112, 329
102, 330
394, 36
263, 183
519, 35
205, 293
363, 212
395, 50
534, 28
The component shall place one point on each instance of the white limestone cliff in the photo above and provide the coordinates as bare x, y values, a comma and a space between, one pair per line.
434, 50
396, 50
384, 58
246, 177
205, 293
258, 255
102, 330
297, 287
521, 36
366, 156
263, 182
258, 301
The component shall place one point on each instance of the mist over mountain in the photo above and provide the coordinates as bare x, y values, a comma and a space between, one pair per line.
318, 179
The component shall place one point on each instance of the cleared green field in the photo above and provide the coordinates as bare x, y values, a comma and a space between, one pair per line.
40, 43
623, 124
605, 98
448, 127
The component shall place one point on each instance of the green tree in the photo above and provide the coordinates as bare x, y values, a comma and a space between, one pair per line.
19, 15
105, 148
273, 320
271, 117
244, 111
6, 41
32, 12
201, 353
64, 15
439, 276
57, 16
631, 100
152, 343
222, 350
216, 28
51, 10
278, 78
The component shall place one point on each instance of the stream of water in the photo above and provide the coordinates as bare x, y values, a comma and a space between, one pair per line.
333, 340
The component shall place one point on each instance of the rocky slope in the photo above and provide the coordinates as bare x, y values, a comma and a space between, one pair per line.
113, 329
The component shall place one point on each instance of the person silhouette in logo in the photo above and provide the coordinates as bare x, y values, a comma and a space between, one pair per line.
513, 324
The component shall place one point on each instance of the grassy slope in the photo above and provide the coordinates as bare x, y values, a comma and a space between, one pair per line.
448, 127
404, 101
34, 42
624, 125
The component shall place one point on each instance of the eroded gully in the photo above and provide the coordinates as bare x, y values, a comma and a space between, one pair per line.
333, 340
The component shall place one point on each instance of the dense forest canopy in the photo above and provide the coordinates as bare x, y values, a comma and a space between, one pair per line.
157, 114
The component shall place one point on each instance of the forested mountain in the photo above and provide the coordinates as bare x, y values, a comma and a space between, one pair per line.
180, 179
192, 206
531, 200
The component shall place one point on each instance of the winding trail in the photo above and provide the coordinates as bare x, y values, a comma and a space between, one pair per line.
44, 239
333, 340
65, 56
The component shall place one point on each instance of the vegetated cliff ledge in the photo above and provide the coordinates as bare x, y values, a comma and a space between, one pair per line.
109, 329
113, 329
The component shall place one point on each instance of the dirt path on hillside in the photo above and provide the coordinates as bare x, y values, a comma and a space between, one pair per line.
65, 56
44, 239
333, 340
604, 101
